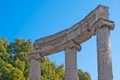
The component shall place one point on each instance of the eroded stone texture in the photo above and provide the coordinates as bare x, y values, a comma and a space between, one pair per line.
103, 49
71, 61
78, 33
69, 40
35, 62
71, 64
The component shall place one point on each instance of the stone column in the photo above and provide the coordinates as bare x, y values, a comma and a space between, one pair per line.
104, 49
35, 62
71, 63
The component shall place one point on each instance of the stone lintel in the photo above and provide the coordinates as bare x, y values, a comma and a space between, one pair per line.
102, 12
54, 49
104, 22
78, 33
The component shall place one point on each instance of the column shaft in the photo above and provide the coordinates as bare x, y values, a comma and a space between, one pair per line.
71, 64
104, 53
35, 71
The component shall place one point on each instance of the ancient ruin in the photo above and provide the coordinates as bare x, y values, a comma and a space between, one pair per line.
95, 23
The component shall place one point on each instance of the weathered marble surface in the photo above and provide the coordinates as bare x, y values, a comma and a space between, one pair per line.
35, 62
71, 63
78, 33
104, 49
69, 40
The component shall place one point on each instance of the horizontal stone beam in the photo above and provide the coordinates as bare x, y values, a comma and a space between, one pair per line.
78, 33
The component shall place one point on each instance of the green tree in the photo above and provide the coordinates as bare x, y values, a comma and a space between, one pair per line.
61, 72
21, 48
3, 45
20, 45
83, 75
49, 71
15, 67
8, 72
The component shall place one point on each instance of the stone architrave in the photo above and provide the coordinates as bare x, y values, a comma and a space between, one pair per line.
103, 49
35, 62
95, 23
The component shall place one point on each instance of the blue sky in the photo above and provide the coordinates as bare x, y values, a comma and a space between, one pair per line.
34, 19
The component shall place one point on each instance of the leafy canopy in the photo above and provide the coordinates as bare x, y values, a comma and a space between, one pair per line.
14, 66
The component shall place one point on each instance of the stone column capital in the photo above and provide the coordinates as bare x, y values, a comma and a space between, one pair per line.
71, 44
104, 22
35, 56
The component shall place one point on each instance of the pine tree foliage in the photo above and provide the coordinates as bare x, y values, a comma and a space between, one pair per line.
13, 59
49, 71
14, 66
